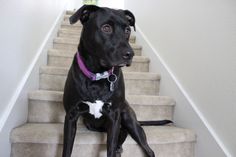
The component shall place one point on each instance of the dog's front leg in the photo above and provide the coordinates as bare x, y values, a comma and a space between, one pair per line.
131, 124
70, 127
113, 130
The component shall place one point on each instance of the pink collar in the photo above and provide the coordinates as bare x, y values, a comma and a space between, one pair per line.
89, 74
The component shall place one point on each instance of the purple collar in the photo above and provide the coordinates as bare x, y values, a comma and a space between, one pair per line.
92, 76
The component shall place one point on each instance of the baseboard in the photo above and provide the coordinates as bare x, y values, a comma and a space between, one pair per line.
16, 111
170, 85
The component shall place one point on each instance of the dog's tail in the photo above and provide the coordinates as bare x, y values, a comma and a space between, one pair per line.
155, 123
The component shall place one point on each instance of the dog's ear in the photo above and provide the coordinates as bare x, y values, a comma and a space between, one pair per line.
83, 13
131, 18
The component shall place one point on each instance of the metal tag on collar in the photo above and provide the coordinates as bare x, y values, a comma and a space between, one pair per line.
100, 76
112, 79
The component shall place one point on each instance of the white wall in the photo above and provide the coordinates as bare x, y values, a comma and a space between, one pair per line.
196, 40
117, 4
74, 4
25, 30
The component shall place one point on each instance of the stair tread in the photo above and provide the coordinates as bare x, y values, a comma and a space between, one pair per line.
58, 53
52, 70
47, 95
66, 23
69, 31
75, 42
53, 132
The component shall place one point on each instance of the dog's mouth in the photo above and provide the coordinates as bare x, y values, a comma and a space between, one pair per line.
123, 64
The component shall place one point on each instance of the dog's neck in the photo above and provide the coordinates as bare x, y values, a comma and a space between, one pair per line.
91, 62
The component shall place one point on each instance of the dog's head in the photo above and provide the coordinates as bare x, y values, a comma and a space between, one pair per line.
106, 34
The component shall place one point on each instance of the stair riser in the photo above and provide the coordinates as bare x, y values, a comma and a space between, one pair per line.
77, 36
51, 111
73, 47
72, 27
69, 35
133, 86
185, 149
66, 62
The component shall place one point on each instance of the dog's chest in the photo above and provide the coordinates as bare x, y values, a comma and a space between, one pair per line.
95, 108
98, 90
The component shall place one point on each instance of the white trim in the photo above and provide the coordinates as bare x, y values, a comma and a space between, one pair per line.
181, 88
23, 81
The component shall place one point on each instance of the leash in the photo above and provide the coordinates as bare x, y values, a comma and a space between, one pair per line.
109, 75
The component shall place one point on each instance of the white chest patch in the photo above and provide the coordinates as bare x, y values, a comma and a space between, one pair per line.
95, 108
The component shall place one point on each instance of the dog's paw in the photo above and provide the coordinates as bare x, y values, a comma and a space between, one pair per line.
118, 152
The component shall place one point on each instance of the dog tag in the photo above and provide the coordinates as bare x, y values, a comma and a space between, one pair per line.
112, 79
112, 86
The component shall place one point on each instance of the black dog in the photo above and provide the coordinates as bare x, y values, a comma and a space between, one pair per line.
98, 94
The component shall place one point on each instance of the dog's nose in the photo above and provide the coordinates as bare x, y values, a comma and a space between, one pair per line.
128, 55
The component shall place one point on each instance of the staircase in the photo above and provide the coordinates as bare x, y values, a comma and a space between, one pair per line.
42, 135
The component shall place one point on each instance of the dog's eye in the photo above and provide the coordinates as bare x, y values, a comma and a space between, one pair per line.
106, 28
127, 32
